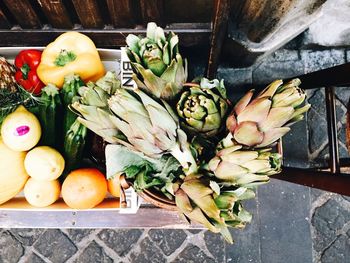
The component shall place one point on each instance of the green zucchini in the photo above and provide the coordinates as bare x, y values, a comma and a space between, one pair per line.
50, 113
74, 144
70, 94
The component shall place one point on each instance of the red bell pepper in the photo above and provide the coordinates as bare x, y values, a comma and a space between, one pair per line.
26, 62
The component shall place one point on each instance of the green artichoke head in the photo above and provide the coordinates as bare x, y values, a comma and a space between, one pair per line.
150, 127
157, 64
202, 107
245, 168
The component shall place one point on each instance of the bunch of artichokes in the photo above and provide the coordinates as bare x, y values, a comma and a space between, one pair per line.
222, 157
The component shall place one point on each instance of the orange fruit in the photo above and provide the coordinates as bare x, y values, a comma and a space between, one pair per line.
84, 188
114, 186
41, 193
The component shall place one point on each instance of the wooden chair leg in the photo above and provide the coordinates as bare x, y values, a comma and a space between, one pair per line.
219, 25
337, 183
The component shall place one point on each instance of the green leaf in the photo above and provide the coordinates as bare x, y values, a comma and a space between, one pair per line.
144, 179
118, 158
171, 165
132, 171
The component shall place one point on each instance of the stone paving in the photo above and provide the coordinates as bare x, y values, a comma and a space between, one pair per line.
291, 223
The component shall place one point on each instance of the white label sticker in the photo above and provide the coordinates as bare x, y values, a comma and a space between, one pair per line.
126, 71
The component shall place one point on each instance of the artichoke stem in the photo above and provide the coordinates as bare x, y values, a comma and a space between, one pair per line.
185, 158
191, 84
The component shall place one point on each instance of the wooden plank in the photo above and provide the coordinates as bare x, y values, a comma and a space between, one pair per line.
88, 13
21, 204
337, 183
121, 13
36, 219
24, 13
220, 20
332, 130
56, 13
184, 11
101, 38
4, 23
146, 217
152, 11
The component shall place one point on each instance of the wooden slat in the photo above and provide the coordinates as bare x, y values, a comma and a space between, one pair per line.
152, 11
4, 23
185, 11
24, 13
56, 13
332, 130
88, 13
121, 13
220, 20
101, 38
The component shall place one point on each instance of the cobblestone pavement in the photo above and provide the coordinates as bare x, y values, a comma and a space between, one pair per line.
291, 223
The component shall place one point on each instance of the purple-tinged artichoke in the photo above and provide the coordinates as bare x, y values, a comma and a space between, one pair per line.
263, 120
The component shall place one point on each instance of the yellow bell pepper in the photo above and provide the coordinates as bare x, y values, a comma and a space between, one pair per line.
71, 52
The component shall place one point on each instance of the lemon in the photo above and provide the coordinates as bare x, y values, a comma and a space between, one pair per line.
21, 130
44, 163
41, 193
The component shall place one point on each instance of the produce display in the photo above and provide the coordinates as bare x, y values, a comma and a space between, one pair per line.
183, 140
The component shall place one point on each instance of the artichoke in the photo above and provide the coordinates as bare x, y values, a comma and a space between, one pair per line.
92, 107
203, 107
149, 127
262, 121
236, 166
157, 64
216, 209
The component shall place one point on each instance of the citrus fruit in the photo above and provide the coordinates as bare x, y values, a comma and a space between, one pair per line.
84, 188
41, 193
114, 186
21, 130
44, 163
13, 176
